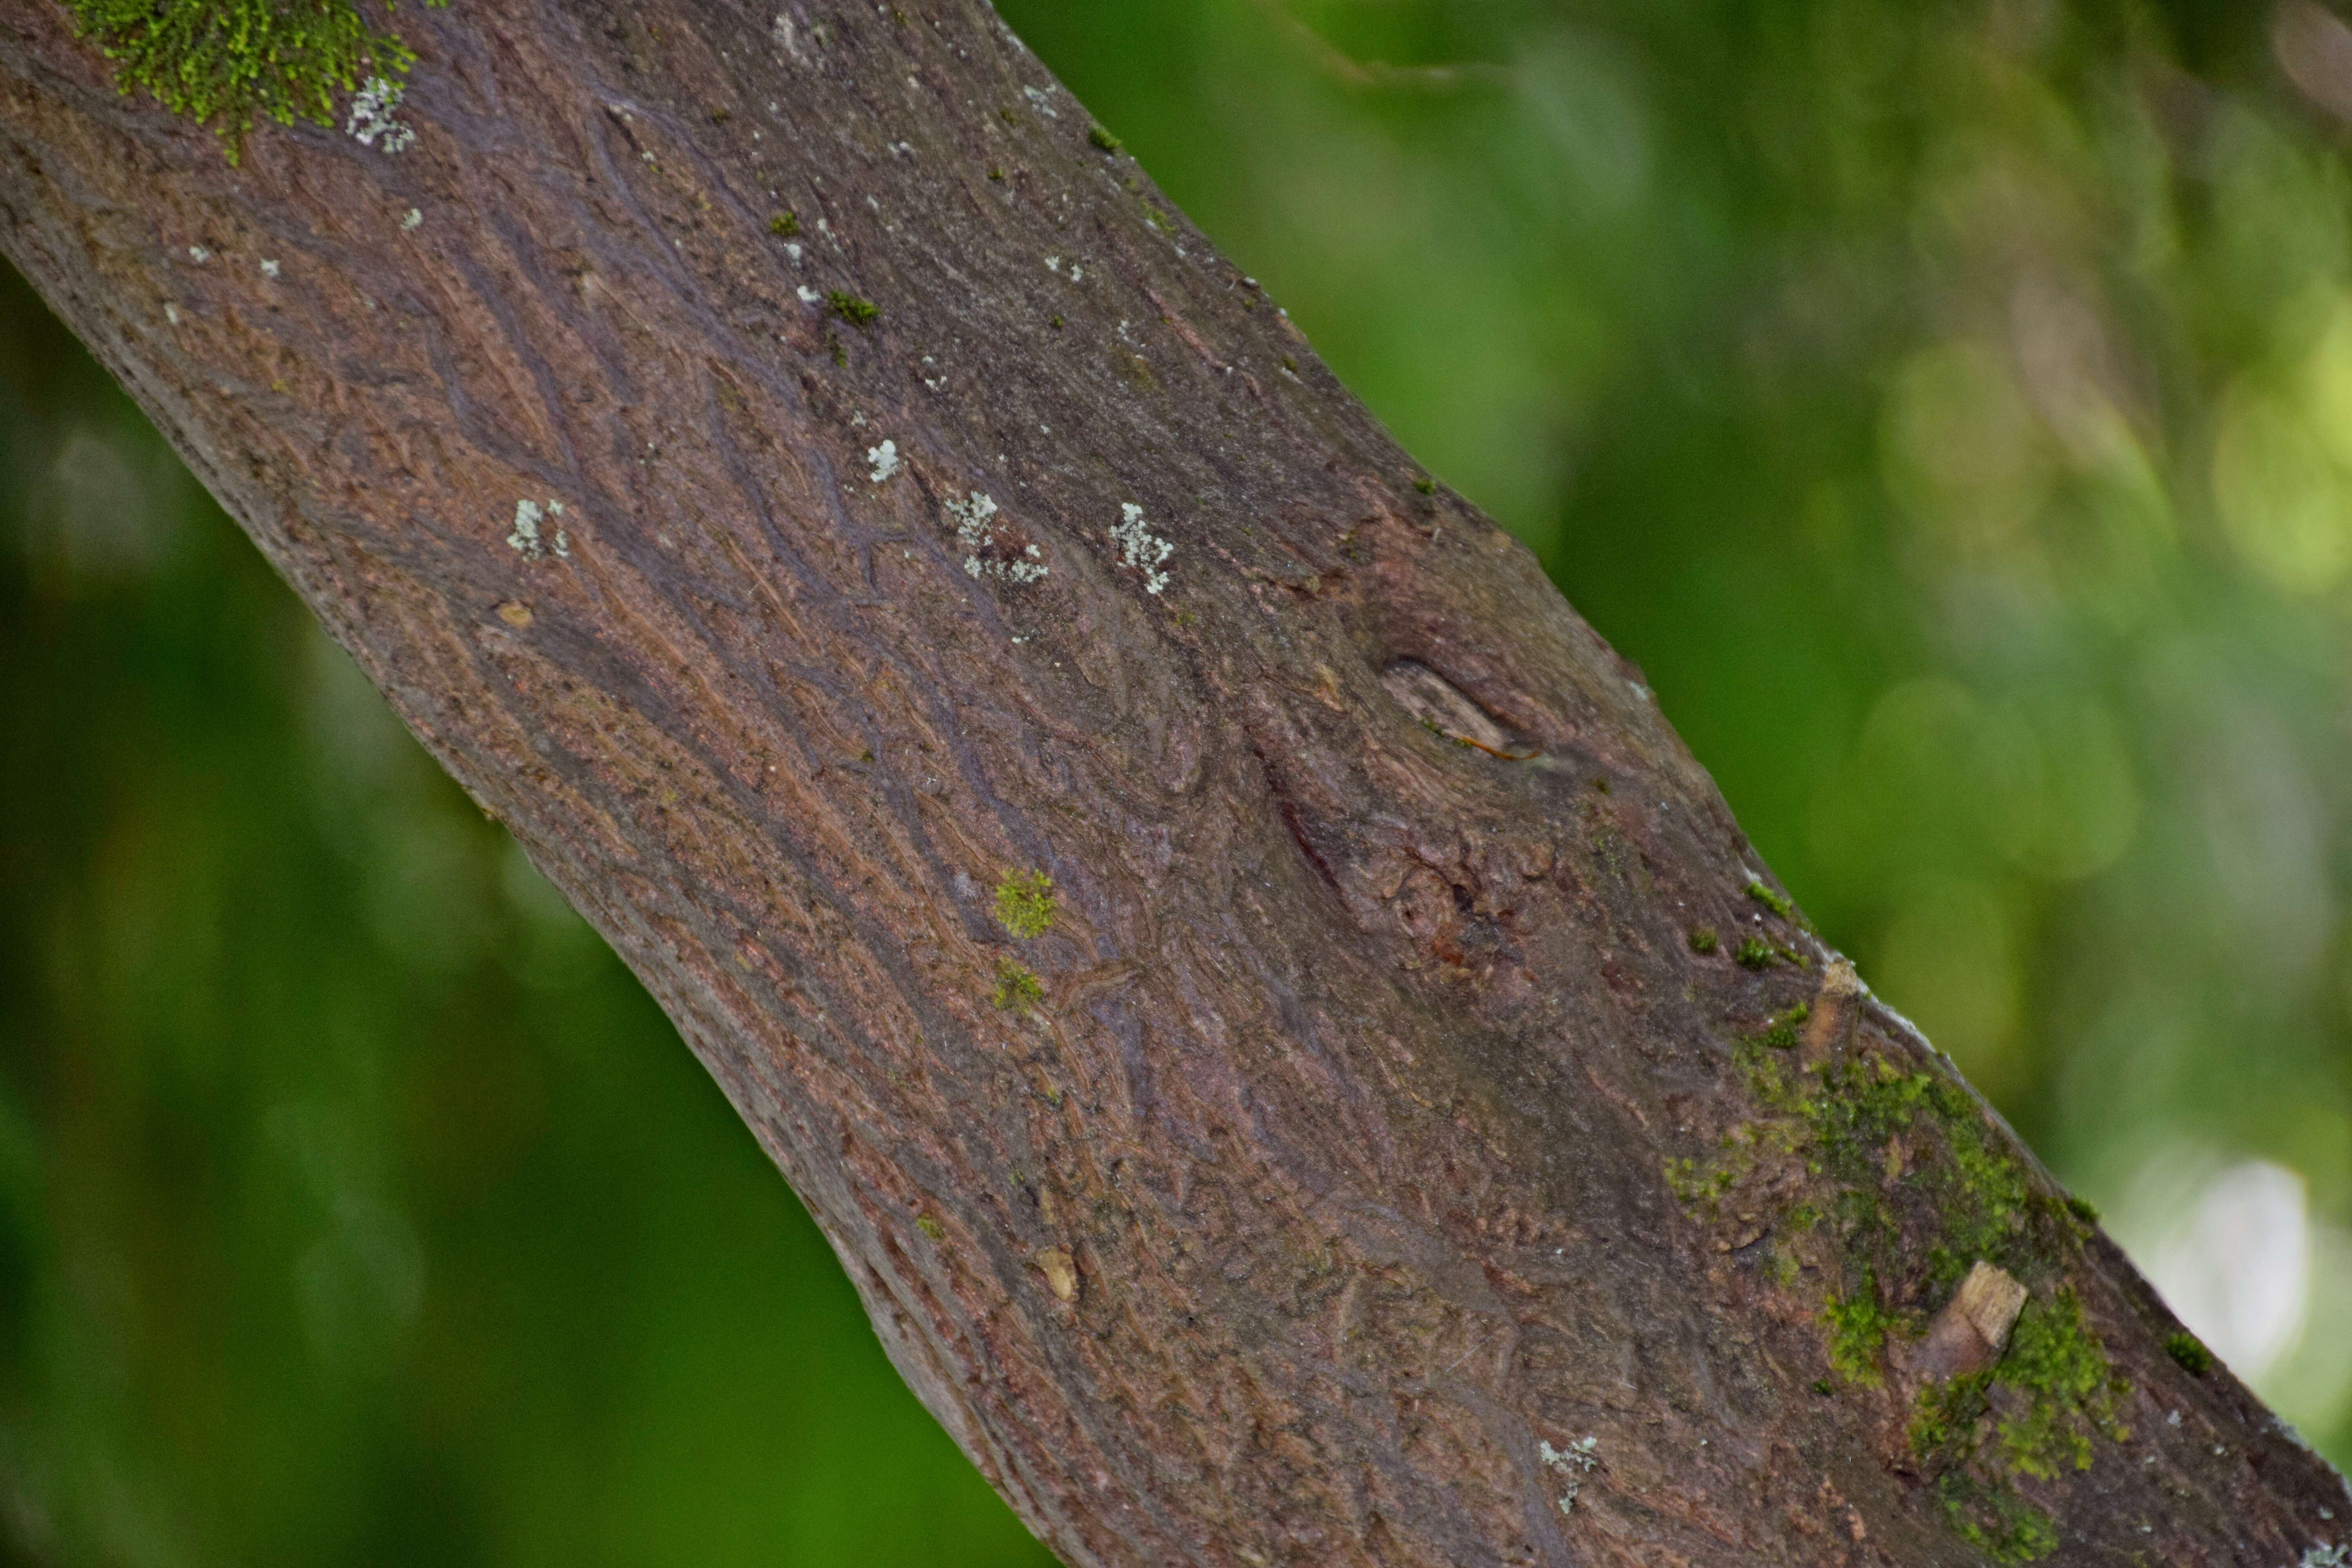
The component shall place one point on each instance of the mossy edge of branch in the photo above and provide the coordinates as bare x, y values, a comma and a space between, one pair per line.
225, 63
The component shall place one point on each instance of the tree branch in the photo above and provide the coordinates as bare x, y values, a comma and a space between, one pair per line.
800, 483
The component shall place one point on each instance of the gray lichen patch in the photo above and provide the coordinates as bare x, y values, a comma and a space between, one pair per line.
1573, 1463
371, 123
975, 526
1141, 548
527, 538
883, 462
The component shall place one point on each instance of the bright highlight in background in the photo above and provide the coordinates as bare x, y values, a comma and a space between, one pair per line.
2234, 1250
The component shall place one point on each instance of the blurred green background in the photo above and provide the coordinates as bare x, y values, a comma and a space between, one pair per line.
1948, 403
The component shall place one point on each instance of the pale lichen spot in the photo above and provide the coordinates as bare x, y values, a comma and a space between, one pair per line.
529, 538
371, 123
199, 255
268, 267
1575, 1462
809, 296
410, 218
975, 521
1141, 548
1043, 105
884, 461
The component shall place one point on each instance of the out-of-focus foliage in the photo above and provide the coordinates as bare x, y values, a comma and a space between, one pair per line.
1948, 403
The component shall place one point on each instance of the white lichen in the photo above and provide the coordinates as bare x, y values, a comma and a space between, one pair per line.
268, 268
172, 314
2326, 1556
809, 296
1043, 105
1141, 548
883, 461
1575, 1462
199, 255
372, 122
528, 541
410, 218
975, 522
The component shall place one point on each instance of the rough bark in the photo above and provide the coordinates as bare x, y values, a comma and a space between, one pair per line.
1382, 1172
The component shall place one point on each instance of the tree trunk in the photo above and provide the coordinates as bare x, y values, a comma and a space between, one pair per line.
804, 483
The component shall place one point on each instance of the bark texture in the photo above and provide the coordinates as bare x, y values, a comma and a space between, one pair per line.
1413, 1141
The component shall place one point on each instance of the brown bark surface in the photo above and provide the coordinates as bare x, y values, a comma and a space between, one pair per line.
1380, 1171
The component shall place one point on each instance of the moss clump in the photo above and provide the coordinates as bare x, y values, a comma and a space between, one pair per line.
226, 63
1777, 902
1943, 1425
1858, 1326
1996, 1520
1016, 986
1103, 139
1424, 484
2069, 1388
2083, 1209
784, 225
2191, 1352
1026, 903
1782, 1034
1703, 940
859, 314
931, 1227
1884, 1181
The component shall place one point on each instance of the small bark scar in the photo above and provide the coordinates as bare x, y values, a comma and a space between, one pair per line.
1972, 1332
1445, 709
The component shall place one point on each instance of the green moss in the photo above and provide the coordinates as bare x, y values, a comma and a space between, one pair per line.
1026, 903
1703, 939
1754, 953
2191, 1352
1858, 1326
2067, 1382
1424, 484
226, 63
2083, 1209
1016, 986
1782, 1034
931, 1227
2057, 1389
859, 314
784, 225
1778, 903
1103, 139
1944, 1419
1996, 1520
